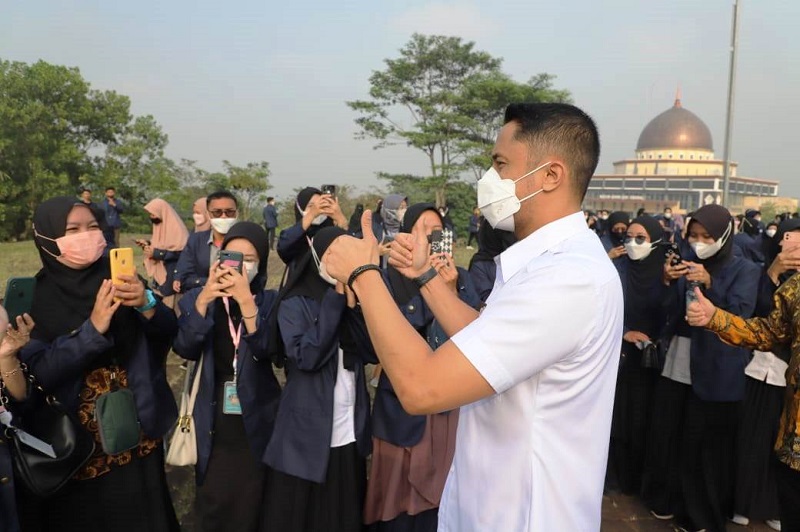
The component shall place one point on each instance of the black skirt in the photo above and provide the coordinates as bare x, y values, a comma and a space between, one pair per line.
298, 505
707, 464
756, 492
633, 403
133, 497
660, 477
232, 494
427, 521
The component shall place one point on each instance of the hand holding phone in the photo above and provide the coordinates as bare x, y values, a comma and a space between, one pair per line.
329, 190
19, 297
231, 259
121, 264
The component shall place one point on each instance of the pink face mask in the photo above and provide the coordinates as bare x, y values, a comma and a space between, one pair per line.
81, 249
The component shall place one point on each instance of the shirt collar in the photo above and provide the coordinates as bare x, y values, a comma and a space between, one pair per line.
517, 256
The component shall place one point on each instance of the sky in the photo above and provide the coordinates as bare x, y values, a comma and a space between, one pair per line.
252, 80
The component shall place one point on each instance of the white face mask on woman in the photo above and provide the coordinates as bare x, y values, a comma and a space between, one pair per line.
636, 251
706, 251
250, 269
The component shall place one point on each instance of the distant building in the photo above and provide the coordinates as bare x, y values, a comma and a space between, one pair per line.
674, 166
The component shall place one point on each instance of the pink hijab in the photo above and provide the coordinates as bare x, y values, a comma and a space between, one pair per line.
201, 205
171, 235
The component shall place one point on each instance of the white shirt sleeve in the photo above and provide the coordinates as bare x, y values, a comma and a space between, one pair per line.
543, 318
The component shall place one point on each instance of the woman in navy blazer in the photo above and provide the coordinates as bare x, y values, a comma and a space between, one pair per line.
412, 454
321, 440
225, 322
86, 344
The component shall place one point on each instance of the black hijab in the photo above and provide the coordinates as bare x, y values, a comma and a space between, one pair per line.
750, 225
617, 217
491, 243
355, 220
303, 199
717, 221
405, 289
65, 297
642, 276
255, 234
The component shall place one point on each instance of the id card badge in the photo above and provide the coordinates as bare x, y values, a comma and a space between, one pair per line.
230, 400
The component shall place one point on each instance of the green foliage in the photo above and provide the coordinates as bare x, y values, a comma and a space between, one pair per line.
446, 99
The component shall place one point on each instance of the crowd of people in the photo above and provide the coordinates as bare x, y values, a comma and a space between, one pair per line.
540, 382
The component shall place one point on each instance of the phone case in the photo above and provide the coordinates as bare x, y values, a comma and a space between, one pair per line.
19, 296
231, 259
447, 241
121, 264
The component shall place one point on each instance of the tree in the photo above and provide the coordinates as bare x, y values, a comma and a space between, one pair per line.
248, 183
446, 99
50, 120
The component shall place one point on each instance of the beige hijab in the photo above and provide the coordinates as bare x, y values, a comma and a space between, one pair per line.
171, 235
201, 205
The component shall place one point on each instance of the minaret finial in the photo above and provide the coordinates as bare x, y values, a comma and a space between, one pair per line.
678, 96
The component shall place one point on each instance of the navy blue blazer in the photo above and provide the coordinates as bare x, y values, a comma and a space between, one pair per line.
483, 273
300, 444
60, 367
292, 243
256, 384
718, 368
195, 261
621, 262
389, 421
170, 260
750, 247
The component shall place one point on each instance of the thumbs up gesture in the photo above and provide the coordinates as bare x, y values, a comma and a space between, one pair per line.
347, 253
700, 312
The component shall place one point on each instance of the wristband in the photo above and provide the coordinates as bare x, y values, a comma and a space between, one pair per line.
423, 279
151, 302
358, 271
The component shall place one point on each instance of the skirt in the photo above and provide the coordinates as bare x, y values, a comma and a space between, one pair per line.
707, 464
633, 403
298, 505
756, 492
133, 497
406, 483
232, 494
660, 475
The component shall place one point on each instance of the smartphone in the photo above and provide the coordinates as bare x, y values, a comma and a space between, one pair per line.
121, 264
329, 189
791, 240
436, 242
231, 259
447, 241
691, 297
19, 297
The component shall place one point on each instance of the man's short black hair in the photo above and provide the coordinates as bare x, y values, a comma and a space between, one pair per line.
111, 188
270, 198
85, 189
561, 129
220, 194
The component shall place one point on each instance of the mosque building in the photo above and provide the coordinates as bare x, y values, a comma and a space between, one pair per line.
674, 166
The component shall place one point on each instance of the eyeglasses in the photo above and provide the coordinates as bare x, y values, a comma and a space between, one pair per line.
638, 239
217, 213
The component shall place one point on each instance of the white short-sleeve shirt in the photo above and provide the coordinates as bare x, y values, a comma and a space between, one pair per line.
533, 456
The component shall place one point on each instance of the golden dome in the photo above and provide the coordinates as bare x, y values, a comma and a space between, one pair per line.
676, 128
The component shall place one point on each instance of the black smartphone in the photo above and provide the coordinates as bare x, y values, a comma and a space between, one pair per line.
231, 259
19, 297
329, 189
437, 245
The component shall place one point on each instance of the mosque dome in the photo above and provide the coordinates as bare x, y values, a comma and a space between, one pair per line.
676, 128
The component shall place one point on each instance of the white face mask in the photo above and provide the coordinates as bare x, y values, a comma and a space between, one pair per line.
497, 198
667, 215
706, 251
639, 251
198, 219
771, 232
323, 272
250, 269
319, 220
223, 225
401, 213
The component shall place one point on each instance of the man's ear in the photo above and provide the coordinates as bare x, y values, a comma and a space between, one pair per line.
555, 176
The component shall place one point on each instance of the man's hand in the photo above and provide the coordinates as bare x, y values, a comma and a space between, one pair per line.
700, 312
347, 253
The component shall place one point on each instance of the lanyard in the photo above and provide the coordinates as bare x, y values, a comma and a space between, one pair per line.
236, 334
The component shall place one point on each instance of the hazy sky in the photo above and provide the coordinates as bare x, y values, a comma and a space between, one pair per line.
258, 80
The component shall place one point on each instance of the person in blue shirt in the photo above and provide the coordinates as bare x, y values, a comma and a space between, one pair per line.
270, 215
223, 326
113, 208
321, 440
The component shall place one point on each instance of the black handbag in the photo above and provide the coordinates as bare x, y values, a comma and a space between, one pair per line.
44, 418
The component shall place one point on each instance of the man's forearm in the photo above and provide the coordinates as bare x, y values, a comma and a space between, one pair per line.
401, 350
451, 313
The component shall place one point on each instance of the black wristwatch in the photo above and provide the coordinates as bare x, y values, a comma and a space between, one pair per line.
423, 279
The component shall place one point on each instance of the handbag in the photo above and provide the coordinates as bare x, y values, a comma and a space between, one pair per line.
61, 446
183, 444
117, 420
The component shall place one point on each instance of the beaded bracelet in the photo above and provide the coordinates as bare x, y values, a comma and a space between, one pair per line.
358, 271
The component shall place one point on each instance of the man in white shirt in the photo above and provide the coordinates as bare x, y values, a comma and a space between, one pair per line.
534, 373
